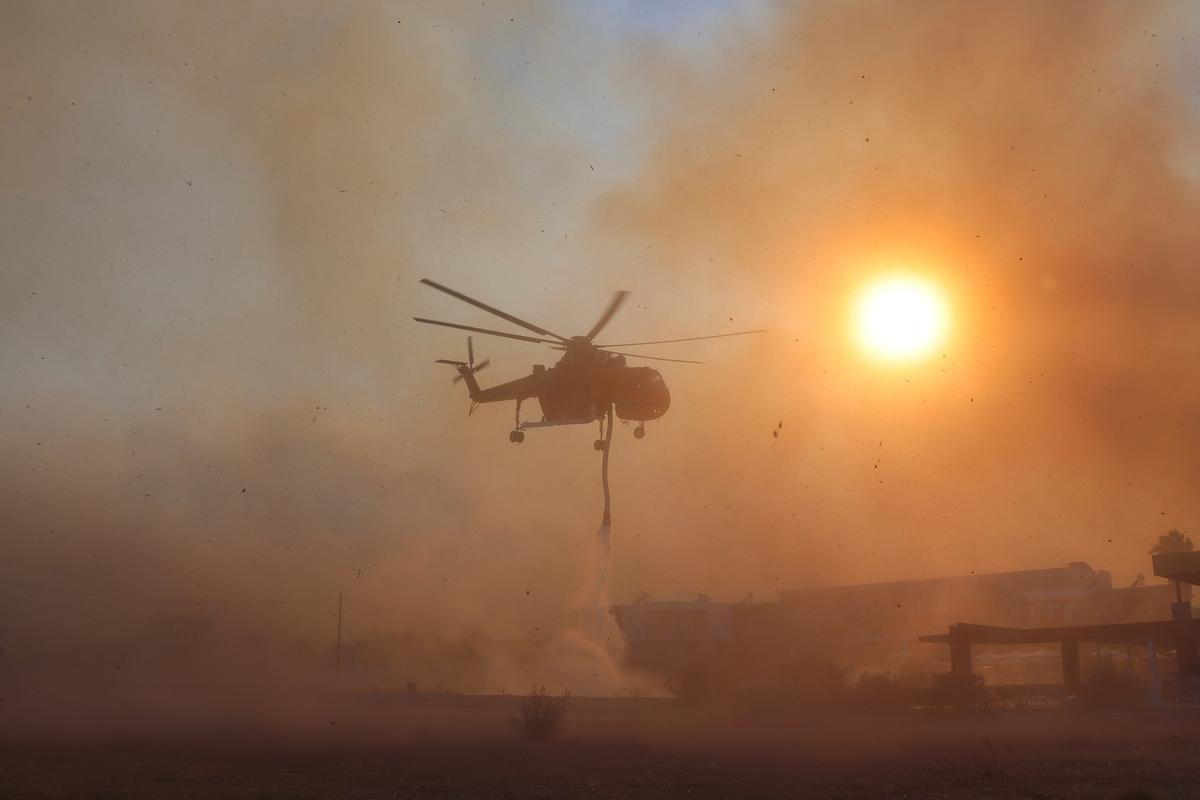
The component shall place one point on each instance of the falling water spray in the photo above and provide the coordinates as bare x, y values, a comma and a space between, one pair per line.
600, 633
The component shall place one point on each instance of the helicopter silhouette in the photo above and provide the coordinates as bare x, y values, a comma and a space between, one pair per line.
588, 383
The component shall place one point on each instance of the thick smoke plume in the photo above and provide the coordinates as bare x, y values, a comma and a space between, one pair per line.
1037, 159
213, 220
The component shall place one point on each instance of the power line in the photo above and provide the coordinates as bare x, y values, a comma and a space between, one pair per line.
164, 602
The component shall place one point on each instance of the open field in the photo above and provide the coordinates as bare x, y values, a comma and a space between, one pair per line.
456, 746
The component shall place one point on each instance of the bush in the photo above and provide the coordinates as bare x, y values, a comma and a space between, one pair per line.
814, 679
543, 715
884, 691
960, 692
1112, 689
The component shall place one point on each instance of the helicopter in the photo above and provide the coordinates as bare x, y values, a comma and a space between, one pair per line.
587, 384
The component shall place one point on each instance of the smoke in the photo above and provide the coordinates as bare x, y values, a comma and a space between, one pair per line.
598, 634
600, 591
214, 219
1038, 161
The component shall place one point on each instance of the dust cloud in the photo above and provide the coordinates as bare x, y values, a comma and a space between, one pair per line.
213, 223
1037, 160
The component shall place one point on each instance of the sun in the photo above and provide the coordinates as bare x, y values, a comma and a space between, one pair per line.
901, 318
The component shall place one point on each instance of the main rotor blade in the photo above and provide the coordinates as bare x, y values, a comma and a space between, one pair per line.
688, 339
522, 337
617, 300
654, 358
529, 326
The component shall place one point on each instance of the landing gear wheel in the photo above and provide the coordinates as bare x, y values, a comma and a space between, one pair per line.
516, 437
639, 432
598, 445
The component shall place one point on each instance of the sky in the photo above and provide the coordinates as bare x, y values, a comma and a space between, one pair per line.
214, 219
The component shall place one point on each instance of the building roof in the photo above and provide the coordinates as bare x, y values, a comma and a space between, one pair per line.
1080, 568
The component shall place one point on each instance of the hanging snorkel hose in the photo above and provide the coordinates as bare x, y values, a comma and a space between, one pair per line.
606, 521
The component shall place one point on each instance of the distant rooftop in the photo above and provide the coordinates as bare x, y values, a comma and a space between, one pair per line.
1079, 568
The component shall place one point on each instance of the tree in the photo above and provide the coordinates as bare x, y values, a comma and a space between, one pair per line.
542, 714
1173, 541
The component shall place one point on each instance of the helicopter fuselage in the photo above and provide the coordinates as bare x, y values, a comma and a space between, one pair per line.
581, 387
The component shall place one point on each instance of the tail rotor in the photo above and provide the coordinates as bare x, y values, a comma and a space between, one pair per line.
471, 366
466, 371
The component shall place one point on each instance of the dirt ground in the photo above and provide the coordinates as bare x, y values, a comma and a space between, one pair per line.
455, 746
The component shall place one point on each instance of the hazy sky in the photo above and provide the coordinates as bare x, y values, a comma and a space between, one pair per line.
213, 219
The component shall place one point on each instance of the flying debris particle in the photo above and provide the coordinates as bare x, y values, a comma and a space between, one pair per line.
243, 490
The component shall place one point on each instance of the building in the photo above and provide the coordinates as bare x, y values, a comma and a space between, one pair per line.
1179, 631
877, 625
883, 619
666, 635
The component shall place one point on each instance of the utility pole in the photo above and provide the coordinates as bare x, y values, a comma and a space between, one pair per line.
339, 636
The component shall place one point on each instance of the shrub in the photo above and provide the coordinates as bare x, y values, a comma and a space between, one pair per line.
958, 691
883, 691
813, 678
1110, 688
543, 715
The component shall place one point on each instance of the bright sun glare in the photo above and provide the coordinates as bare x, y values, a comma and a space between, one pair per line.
901, 318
